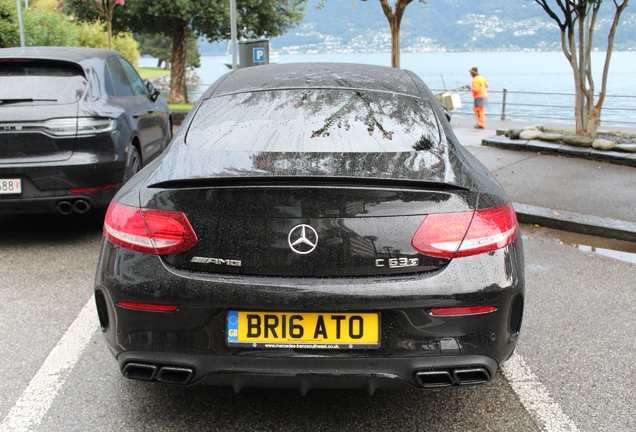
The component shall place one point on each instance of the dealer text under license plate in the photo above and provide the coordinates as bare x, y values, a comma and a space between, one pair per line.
303, 330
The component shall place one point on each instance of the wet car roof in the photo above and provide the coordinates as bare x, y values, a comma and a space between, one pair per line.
317, 75
70, 54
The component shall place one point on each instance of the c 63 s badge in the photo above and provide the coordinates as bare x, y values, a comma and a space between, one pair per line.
397, 262
217, 261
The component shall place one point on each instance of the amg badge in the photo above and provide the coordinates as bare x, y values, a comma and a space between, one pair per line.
218, 261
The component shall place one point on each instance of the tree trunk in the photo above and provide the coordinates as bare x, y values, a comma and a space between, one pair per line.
395, 18
579, 101
395, 43
105, 10
109, 30
178, 89
594, 116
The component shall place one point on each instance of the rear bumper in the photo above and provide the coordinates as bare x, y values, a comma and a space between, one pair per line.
47, 186
64, 203
192, 342
309, 373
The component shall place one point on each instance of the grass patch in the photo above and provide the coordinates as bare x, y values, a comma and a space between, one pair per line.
559, 130
180, 107
152, 72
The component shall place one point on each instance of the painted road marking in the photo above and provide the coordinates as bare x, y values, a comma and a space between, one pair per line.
38, 397
535, 398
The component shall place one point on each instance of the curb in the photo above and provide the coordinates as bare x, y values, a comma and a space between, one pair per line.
619, 158
576, 222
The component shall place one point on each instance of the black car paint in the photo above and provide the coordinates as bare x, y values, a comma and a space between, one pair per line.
50, 166
192, 180
349, 221
411, 338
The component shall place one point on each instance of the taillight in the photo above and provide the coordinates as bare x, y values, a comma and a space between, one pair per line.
158, 232
93, 189
449, 235
78, 126
148, 307
462, 310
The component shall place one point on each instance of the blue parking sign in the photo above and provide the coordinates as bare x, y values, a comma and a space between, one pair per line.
259, 55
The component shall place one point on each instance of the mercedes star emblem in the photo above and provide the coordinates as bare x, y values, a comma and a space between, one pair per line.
302, 239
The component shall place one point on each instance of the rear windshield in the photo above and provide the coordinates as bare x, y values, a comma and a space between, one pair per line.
41, 81
315, 121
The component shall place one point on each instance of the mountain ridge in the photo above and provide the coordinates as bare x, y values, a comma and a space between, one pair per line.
438, 25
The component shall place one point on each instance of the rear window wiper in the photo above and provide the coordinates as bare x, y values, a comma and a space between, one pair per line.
7, 101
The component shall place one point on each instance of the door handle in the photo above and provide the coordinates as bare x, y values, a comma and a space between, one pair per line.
137, 115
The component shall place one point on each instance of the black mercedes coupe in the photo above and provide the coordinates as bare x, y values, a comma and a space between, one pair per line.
312, 226
75, 124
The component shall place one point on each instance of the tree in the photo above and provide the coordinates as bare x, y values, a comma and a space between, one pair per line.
43, 26
9, 31
92, 35
90, 10
576, 20
160, 47
395, 20
48, 28
203, 18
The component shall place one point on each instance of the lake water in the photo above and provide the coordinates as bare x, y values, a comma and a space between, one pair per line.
535, 72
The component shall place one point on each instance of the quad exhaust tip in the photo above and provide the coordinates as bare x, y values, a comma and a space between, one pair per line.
64, 207
81, 206
174, 375
164, 374
434, 379
78, 206
431, 379
470, 376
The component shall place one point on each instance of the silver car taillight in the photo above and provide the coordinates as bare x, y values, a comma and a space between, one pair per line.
79, 126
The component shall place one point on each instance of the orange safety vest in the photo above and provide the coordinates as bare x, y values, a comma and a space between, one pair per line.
479, 87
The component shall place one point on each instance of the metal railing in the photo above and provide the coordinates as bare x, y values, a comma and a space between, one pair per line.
529, 106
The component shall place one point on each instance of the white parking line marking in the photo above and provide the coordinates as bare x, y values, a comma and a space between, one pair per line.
535, 397
38, 397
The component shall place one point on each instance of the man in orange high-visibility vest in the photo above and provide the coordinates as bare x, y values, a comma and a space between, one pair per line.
479, 88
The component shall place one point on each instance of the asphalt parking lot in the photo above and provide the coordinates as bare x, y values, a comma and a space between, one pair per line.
573, 369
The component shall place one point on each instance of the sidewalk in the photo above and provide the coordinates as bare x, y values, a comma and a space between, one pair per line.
571, 194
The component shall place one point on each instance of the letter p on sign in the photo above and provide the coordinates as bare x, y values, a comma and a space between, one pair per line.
259, 55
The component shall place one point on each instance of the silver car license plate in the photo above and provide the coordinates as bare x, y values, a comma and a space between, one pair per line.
10, 186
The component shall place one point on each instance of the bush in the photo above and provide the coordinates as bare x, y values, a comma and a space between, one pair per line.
48, 28
94, 36
9, 28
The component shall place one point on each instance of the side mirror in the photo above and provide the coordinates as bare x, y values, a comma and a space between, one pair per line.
153, 92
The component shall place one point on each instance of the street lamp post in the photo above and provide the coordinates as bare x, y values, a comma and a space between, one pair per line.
21, 22
233, 33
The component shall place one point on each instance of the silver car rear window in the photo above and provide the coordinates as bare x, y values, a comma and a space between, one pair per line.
41, 81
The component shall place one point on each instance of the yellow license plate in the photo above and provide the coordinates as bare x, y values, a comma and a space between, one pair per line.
303, 330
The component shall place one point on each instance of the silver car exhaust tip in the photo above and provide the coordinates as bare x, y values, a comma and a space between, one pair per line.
64, 208
81, 206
